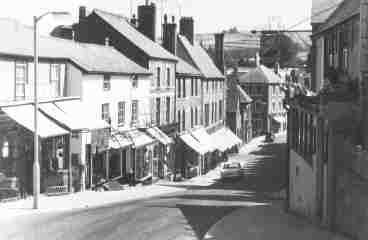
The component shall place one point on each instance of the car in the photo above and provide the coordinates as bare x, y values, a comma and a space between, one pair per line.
230, 170
270, 137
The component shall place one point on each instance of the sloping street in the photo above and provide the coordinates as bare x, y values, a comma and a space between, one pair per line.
183, 215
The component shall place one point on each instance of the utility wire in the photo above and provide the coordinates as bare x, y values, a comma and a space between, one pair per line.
314, 15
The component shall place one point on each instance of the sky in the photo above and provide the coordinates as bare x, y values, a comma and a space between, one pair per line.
209, 15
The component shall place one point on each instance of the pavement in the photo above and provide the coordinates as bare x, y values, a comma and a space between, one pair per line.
205, 207
81, 200
266, 222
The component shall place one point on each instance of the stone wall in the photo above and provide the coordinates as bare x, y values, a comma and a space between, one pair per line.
352, 193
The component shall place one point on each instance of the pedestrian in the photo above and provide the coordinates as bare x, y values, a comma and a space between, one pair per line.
131, 177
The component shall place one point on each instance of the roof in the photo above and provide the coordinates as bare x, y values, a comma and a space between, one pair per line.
346, 10
322, 9
244, 97
120, 24
201, 59
186, 69
261, 74
17, 39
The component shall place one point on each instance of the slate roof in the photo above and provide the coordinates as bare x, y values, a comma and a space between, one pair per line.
201, 59
186, 69
322, 9
260, 74
17, 40
346, 10
120, 24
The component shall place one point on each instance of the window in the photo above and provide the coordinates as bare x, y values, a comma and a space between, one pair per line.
184, 88
196, 86
191, 117
158, 111
259, 90
207, 114
121, 113
179, 121
21, 79
207, 86
134, 111
213, 112
135, 81
196, 116
55, 72
5, 150
107, 83
168, 102
179, 87
168, 77
192, 87
273, 107
213, 85
105, 112
221, 109
183, 120
158, 72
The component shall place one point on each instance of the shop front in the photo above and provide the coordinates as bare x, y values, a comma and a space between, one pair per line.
16, 161
142, 154
162, 153
204, 138
193, 154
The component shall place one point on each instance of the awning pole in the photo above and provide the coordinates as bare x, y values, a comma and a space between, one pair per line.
121, 162
70, 164
107, 160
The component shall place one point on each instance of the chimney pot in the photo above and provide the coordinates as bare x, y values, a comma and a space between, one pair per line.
187, 28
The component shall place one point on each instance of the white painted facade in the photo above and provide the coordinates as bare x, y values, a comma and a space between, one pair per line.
213, 92
163, 89
47, 88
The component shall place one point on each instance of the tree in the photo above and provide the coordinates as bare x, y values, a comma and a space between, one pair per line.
275, 44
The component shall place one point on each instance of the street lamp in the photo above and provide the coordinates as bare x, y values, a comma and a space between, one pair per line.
36, 164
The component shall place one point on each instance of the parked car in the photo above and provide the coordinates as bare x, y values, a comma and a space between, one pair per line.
270, 137
230, 170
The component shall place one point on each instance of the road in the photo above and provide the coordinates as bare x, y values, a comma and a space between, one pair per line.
185, 215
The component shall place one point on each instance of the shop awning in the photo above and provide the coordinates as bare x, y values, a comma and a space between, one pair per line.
139, 138
55, 113
23, 115
279, 119
235, 139
204, 138
224, 139
118, 141
194, 144
159, 135
83, 113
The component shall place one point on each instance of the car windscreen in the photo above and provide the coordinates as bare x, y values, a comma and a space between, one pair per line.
231, 166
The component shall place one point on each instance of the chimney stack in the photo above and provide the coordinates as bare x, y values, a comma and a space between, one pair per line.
147, 20
219, 52
169, 35
187, 28
82, 13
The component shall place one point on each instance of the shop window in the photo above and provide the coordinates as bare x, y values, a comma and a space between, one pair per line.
107, 83
21, 79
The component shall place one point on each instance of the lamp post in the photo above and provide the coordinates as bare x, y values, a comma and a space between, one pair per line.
36, 164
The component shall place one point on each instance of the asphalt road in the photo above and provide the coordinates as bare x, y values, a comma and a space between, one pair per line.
184, 215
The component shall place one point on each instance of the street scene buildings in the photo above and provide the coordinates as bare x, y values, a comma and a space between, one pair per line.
147, 126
